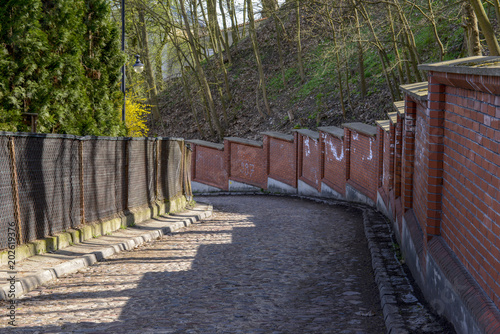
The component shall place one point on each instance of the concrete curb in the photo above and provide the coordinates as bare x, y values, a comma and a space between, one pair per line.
392, 316
394, 321
89, 231
26, 284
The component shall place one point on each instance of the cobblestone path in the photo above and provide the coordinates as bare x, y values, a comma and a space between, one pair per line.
259, 265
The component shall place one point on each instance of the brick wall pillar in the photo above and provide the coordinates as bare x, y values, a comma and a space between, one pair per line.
398, 152
435, 148
347, 147
408, 157
380, 147
392, 134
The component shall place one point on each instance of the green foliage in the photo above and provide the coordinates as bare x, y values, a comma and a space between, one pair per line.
60, 59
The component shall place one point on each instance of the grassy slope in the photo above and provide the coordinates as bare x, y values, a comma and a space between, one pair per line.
306, 105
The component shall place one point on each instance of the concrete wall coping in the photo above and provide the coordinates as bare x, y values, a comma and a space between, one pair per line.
479, 65
309, 133
393, 117
205, 143
333, 130
244, 141
278, 135
365, 129
384, 124
418, 91
399, 107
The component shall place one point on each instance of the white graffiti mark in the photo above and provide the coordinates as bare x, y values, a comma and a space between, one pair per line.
308, 149
247, 169
355, 136
338, 156
370, 157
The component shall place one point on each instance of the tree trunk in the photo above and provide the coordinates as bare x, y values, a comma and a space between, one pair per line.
399, 65
225, 40
472, 41
234, 22
280, 48
253, 36
380, 51
361, 61
201, 74
269, 7
153, 93
486, 28
299, 46
337, 58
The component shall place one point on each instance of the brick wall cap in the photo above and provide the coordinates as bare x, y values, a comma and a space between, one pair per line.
418, 91
244, 141
479, 65
399, 107
205, 143
365, 129
333, 130
308, 133
278, 135
384, 124
393, 117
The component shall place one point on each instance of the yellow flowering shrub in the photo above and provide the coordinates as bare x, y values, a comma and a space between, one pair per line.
136, 112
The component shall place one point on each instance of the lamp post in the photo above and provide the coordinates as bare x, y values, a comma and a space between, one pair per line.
123, 50
138, 66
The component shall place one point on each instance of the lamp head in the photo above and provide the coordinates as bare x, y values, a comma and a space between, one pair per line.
138, 66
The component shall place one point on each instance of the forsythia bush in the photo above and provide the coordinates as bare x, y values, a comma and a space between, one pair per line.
136, 112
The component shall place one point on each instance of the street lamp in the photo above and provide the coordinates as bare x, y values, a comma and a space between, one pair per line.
138, 66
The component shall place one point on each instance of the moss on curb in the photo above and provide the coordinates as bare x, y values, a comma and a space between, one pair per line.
87, 232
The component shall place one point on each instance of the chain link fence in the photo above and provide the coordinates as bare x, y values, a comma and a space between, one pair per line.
54, 183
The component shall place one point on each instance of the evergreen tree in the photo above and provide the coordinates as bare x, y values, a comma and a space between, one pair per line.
60, 59
22, 47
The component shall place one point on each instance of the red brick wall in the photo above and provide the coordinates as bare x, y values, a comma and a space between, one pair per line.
247, 164
208, 166
309, 161
281, 155
333, 161
364, 164
471, 187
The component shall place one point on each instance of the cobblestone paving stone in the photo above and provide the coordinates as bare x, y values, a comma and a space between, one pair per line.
259, 265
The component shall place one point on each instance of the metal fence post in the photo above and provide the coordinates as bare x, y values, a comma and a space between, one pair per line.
15, 192
82, 183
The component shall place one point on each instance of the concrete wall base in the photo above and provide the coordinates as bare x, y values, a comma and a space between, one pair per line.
278, 187
353, 195
198, 187
383, 208
306, 190
238, 186
328, 192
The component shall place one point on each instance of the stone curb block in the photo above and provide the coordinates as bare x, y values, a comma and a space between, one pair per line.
29, 283
87, 232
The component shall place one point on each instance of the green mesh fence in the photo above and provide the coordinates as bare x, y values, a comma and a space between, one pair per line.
53, 183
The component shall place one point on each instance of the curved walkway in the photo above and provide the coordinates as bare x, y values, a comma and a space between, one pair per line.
259, 265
